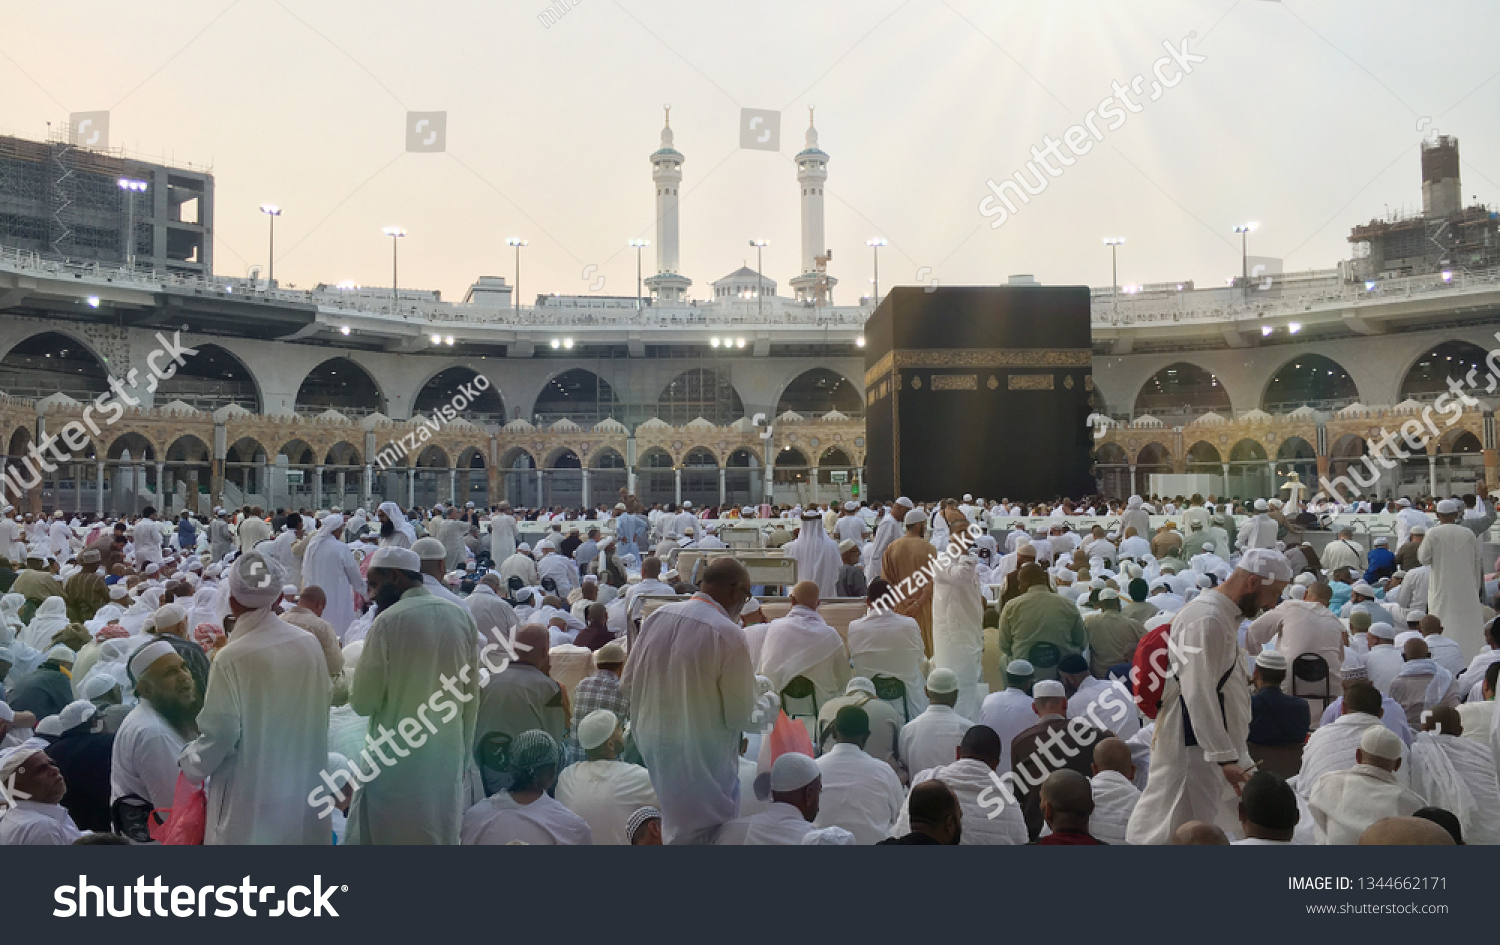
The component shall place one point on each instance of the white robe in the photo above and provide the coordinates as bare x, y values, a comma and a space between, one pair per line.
499, 820
932, 738
605, 794
1458, 775
495, 619
1346, 803
328, 563
502, 537
1186, 782
780, 824
989, 819
803, 644
1114, 801
1457, 577
886, 643
817, 557
1332, 747
143, 760
264, 735
958, 630
692, 691
860, 794
1008, 712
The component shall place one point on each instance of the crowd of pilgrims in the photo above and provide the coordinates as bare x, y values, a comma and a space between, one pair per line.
961, 671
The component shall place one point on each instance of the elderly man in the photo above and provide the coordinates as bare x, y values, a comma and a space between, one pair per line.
1456, 774
38, 818
1345, 803
170, 623
418, 645
526, 813
602, 689
308, 614
803, 644
930, 739
1032, 752
886, 643
860, 794
1423, 684
521, 564
991, 816
1407, 553
1300, 627
144, 756
1344, 552
519, 697
1199, 750
1457, 576
692, 691
603, 790
1383, 661
1039, 626
906, 566
328, 563
796, 789
557, 566
45, 690
264, 725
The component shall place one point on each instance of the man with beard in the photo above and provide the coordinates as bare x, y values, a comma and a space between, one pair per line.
418, 645
1199, 754
144, 760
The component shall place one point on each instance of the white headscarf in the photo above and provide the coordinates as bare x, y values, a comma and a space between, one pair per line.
50, 617
326, 528
398, 519
255, 580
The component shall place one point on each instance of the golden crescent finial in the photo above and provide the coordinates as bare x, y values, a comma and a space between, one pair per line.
809, 116
669, 116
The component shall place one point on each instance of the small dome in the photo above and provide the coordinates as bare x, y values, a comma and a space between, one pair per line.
518, 426
655, 423
791, 416
565, 426
610, 425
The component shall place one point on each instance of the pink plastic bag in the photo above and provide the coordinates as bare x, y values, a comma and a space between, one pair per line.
187, 820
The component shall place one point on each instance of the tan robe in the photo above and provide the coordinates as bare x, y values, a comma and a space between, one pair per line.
904, 558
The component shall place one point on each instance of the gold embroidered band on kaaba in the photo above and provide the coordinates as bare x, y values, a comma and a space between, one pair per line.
979, 358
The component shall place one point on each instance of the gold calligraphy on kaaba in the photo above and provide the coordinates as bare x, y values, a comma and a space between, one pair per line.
955, 382
978, 358
1029, 382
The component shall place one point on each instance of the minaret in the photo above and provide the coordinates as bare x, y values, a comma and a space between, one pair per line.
666, 172
812, 174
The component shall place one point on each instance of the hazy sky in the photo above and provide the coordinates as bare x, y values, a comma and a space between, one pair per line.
1305, 116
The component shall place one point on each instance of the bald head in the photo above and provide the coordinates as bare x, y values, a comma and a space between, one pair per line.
1444, 720
1112, 754
805, 593
1416, 650
532, 644
1320, 593
1196, 833
1067, 791
313, 598
651, 568
728, 583
1430, 625
1405, 832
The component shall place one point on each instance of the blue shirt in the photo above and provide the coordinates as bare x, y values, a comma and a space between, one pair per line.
1277, 718
1382, 564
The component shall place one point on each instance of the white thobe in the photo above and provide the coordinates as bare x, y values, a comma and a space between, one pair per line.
1186, 781
1448, 653
499, 820
885, 643
264, 735
989, 818
1259, 531
850, 528
1405, 519
803, 644
1114, 801
1457, 578
502, 537
560, 569
33, 824
1106, 704
1332, 747
419, 646
281, 550
1009, 712
328, 563
1345, 803
780, 824
1458, 775
817, 558
143, 760
147, 542
494, 618
1382, 665
692, 691
520, 565
860, 793
958, 629
1343, 553
605, 794
931, 739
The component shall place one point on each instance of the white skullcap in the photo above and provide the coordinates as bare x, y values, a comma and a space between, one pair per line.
1406, 636
545, 545
1415, 614
1208, 547
914, 517
689, 530
1360, 587
13, 758
1270, 565
1272, 660
1449, 507
1261, 505
1066, 575
1109, 593
1049, 689
1296, 591
401, 559
942, 680
906, 502
61, 654
828, 837
1382, 630
860, 684
153, 568
847, 545
288, 590
851, 506
76, 713
792, 771
1419, 529
619, 506
752, 606
429, 549
51, 726
97, 684
1381, 742
1382, 540
1275, 503
1019, 668
523, 546
255, 580
596, 728
1305, 580
1404, 502
117, 591
170, 615
148, 654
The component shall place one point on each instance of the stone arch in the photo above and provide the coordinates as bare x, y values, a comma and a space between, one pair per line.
450, 386
818, 390
744, 477
53, 361
1204, 454
343, 453
607, 475
517, 473
577, 394
700, 476
1427, 374
654, 478
1112, 469
1182, 389
189, 469
1309, 379
340, 384
700, 392
214, 377
298, 452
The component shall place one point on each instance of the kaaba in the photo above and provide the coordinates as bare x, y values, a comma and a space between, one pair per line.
984, 390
